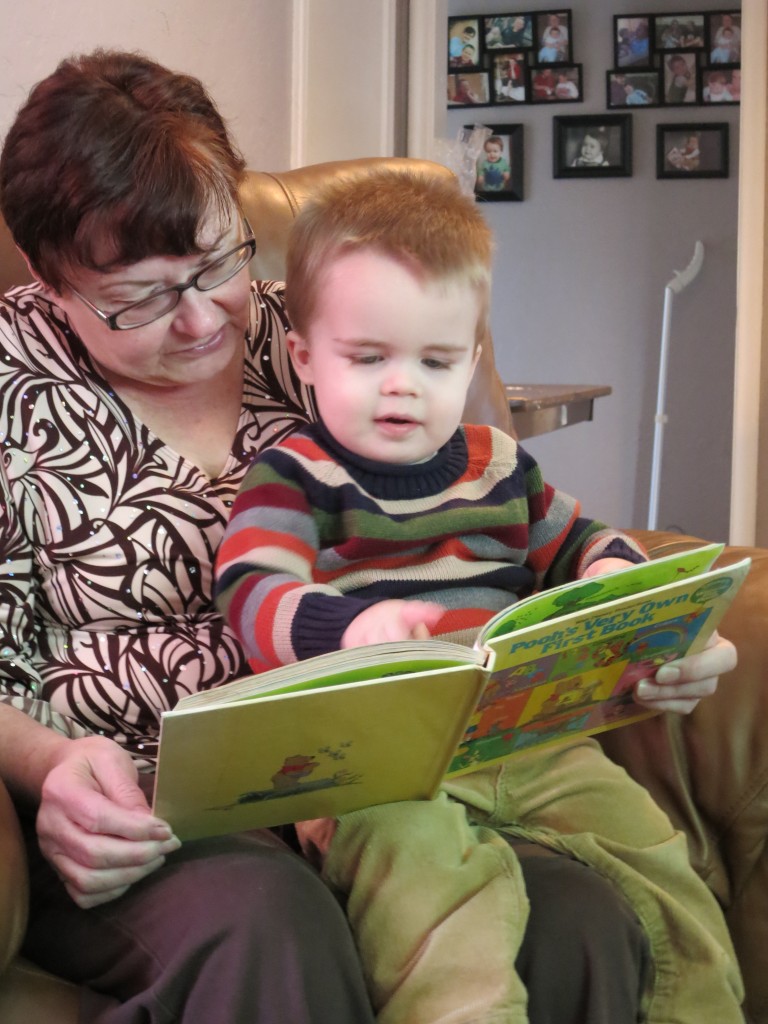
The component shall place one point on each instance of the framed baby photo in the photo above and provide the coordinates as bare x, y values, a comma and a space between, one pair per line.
553, 40
593, 146
464, 43
500, 164
724, 37
680, 79
630, 89
509, 32
679, 31
720, 85
695, 150
509, 76
632, 40
561, 84
469, 89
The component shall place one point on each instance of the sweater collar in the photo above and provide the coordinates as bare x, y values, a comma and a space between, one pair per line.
394, 481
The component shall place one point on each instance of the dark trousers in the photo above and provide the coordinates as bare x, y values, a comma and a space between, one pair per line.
236, 930
240, 929
584, 957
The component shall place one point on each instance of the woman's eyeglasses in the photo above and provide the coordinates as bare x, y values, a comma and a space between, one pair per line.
146, 311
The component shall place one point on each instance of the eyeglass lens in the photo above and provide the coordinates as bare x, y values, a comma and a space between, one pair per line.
210, 277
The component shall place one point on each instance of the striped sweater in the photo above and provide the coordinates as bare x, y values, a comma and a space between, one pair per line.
317, 534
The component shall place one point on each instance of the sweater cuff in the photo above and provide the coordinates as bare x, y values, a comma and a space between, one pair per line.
320, 622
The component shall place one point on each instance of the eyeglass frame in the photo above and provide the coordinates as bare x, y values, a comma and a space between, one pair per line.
110, 319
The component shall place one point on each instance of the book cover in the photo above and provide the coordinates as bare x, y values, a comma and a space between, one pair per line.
388, 722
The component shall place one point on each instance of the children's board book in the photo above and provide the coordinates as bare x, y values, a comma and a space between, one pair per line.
389, 722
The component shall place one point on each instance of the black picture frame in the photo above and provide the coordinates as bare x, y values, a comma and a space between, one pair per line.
513, 31
633, 88
592, 146
680, 78
510, 136
717, 22
546, 49
509, 77
692, 150
464, 32
720, 85
633, 40
683, 31
469, 89
556, 83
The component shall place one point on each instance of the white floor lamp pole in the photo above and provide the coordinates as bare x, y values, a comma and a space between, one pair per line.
681, 279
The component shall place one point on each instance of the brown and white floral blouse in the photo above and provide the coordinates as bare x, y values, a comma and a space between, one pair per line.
107, 535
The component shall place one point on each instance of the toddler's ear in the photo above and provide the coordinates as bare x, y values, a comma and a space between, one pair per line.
298, 350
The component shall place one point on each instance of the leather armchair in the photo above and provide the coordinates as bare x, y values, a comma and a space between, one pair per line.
708, 770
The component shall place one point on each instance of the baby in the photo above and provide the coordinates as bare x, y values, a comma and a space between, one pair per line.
389, 519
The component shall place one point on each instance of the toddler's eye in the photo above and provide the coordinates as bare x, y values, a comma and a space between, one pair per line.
367, 360
436, 364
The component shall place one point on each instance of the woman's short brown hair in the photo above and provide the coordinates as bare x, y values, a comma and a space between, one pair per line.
114, 158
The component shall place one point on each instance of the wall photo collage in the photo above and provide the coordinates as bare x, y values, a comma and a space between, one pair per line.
659, 60
517, 58
675, 60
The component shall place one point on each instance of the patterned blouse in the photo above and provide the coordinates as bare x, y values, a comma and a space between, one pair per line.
108, 535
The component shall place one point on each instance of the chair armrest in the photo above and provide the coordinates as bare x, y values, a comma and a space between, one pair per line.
709, 770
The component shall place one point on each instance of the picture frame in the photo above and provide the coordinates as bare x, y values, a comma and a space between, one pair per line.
724, 37
721, 85
592, 146
509, 76
632, 37
469, 89
558, 83
692, 150
685, 31
553, 37
509, 31
627, 89
680, 79
505, 145
464, 43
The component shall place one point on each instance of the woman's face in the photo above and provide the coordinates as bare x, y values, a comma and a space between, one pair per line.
192, 343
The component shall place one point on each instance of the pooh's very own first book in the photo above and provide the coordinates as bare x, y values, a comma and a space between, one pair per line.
389, 722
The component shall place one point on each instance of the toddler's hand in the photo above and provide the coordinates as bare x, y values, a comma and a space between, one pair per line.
603, 565
392, 620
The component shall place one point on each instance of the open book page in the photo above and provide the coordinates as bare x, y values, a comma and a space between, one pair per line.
558, 601
576, 674
376, 661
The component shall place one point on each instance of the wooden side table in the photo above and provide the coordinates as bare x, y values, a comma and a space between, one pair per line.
540, 408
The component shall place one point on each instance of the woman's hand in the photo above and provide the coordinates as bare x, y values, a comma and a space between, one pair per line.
94, 824
393, 620
680, 685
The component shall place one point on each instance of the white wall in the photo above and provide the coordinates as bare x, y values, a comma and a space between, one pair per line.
241, 49
580, 274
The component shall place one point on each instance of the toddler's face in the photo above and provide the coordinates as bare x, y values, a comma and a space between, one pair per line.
591, 148
493, 152
390, 357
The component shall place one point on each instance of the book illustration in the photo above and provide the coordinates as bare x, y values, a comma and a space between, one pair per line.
289, 779
595, 590
582, 688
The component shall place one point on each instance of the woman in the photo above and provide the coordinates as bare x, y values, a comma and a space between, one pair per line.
107, 541
136, 385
